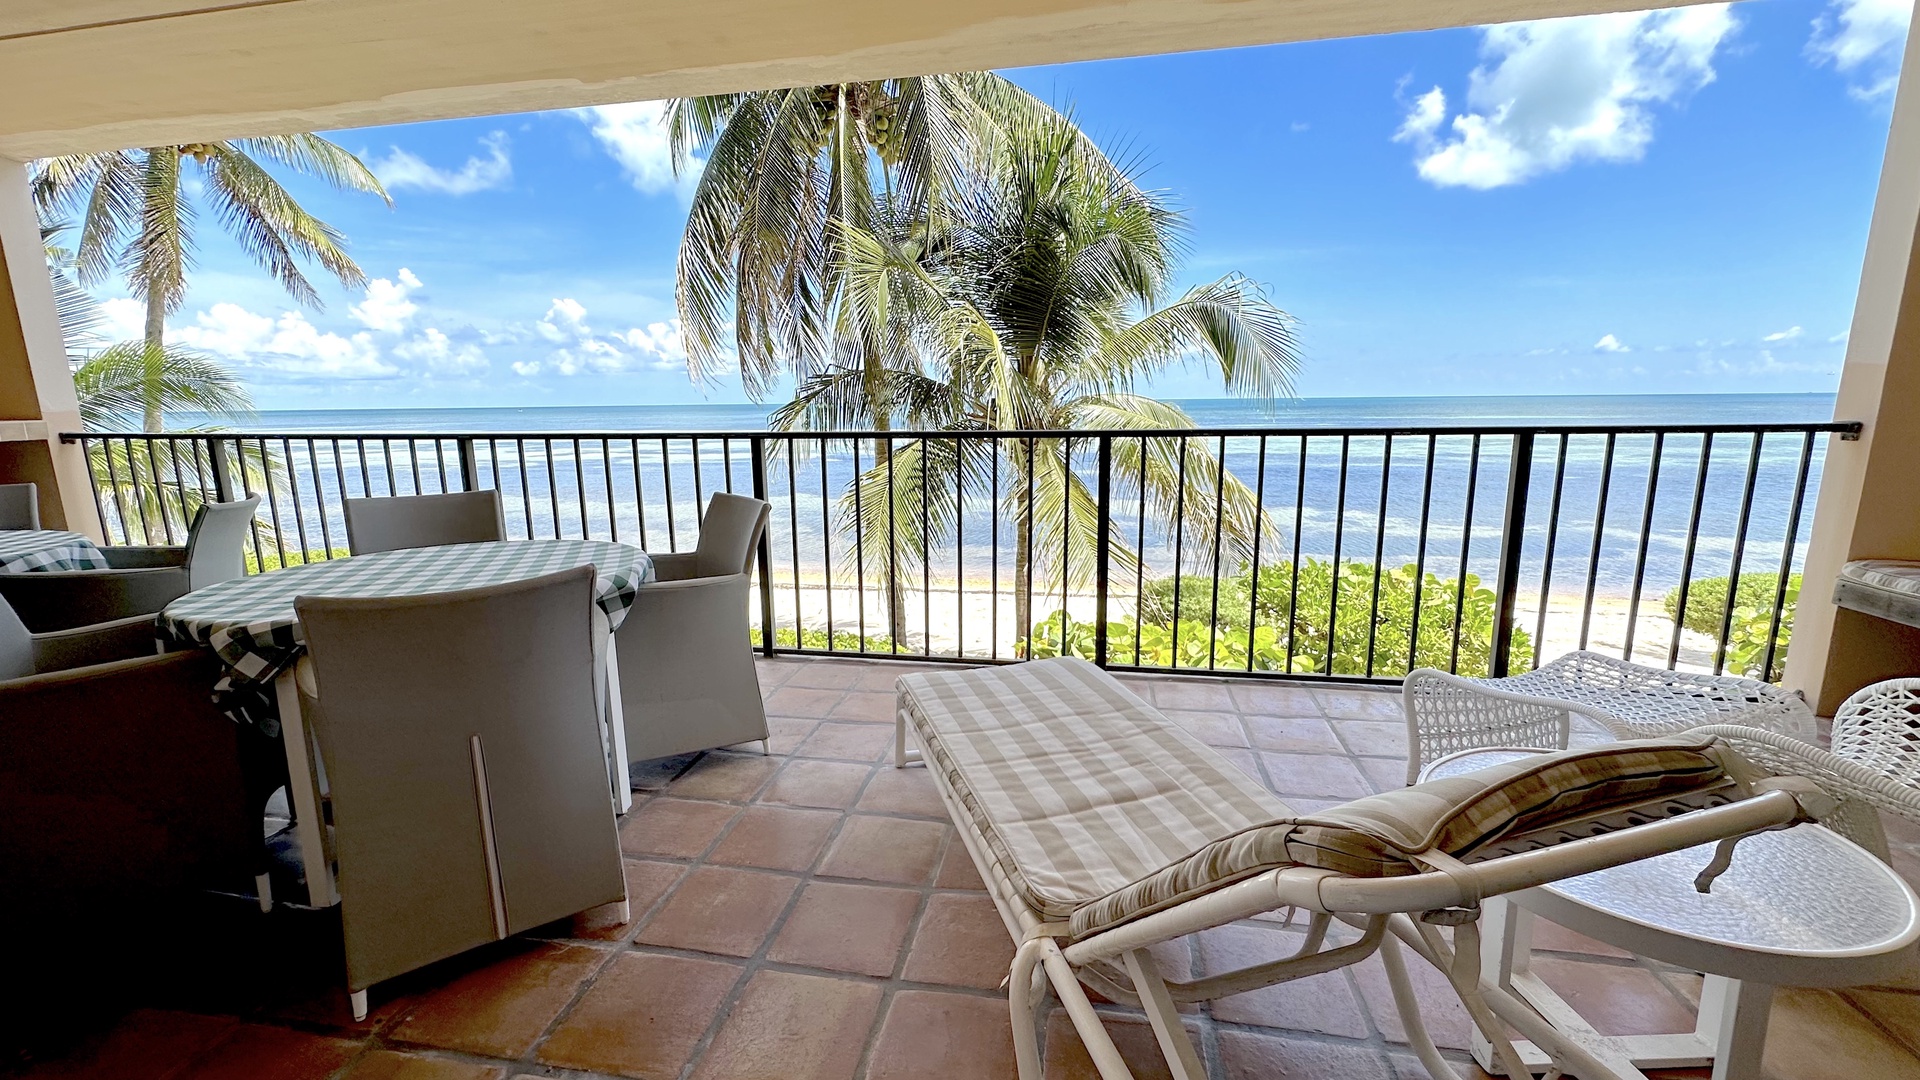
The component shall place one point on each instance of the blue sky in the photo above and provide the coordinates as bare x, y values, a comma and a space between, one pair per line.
1674, 202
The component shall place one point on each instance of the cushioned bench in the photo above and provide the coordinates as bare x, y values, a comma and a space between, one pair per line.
1102, 828
1886, 588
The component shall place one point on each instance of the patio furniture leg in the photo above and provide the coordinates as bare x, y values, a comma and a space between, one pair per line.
902, 755
263, 889
617, 730
1024, 1003
303, 785
1408, 1006
1182, 1060
1733, 1020
358, 1001
1106, 1057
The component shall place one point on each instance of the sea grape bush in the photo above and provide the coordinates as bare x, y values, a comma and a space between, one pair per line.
1752, 616
1290, 625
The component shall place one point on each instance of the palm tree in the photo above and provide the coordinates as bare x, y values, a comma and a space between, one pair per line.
759, 277
137, 218
1032, 300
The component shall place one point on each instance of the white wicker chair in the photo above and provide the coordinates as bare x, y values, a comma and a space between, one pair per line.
1449, 713
1874, 764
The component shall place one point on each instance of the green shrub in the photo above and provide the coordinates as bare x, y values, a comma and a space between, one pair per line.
1752, 615
843, 640
271, 559
1707, 599
1285, 627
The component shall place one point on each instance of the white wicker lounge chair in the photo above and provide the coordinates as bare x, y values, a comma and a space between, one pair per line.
1874, 764
1449, 713
1102, 829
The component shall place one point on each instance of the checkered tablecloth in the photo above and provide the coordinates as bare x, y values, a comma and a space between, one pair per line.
23, 551
249, 622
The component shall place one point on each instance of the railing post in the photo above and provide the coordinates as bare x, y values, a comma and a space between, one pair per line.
222, 473
1513, 535
469, 465
1103, 511
766, 549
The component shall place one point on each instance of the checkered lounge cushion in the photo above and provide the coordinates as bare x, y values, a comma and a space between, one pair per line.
1077, 786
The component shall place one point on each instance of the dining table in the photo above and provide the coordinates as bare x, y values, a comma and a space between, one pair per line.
252, 625
25, 551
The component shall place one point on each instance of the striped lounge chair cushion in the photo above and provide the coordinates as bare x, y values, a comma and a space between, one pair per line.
1888, 588
1533, 802
1077, 787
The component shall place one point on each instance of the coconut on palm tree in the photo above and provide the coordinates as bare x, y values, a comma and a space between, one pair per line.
138, 219
1036, 299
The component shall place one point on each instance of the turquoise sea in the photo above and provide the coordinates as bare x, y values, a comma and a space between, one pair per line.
1386, 503
1222, 412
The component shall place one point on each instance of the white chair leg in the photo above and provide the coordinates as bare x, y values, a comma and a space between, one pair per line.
1106, 1057
263, 889
1024, 1004
766, 748
902, 756
1183, 1062
358, 1000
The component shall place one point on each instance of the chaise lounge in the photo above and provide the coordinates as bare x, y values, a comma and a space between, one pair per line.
1101, 829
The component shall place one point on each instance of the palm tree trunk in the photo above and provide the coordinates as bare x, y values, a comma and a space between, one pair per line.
1022, 587
896, 598
156, 340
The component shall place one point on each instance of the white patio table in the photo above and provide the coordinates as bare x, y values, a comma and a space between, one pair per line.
1799, 907
24, 551
250, 623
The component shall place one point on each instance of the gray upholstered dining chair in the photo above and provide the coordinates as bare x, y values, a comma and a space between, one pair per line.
388, 523
138, 580
687, 678
462, 744
19, 506
119, 778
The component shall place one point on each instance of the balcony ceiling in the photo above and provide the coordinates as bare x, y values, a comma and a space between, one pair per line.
78, 75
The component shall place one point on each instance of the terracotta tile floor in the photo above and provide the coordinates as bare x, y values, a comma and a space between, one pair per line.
812, 915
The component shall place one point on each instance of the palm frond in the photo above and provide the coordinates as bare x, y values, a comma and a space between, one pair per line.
120, 384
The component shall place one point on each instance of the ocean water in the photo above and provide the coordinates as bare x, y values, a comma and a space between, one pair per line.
1437, 501
1212, 412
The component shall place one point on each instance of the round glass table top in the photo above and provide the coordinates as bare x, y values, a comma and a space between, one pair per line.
1803, 906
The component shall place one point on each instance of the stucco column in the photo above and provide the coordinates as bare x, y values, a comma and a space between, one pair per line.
37, 402
1869, 503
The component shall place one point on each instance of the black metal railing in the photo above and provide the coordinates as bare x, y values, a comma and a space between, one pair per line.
1342, 553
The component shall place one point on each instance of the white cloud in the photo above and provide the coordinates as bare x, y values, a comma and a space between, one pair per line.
1612, 344
385, 305
1862, 39
288, 346
526, 369
439, 354
400, 170
635, 134
582, 348
1840, 338
122, 319
1788, 334
1552, 93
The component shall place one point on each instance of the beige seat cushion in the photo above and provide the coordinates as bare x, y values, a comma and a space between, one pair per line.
1530, 803
1077, 786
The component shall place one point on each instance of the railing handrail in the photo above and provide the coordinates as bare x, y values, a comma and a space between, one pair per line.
1844, 428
